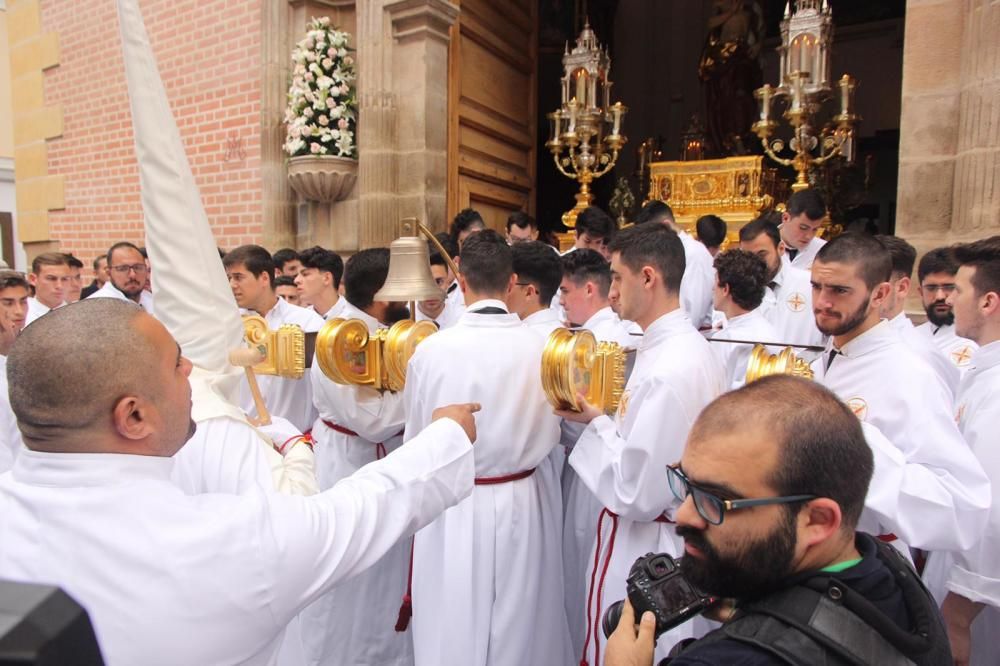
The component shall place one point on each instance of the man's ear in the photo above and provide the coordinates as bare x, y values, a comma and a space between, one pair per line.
819, 520
648, 275
511, 282
131, 417
989, 304
782, 248
903, 287
785, 217
880, 294
462, 283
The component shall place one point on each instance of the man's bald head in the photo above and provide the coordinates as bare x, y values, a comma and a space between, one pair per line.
68, 369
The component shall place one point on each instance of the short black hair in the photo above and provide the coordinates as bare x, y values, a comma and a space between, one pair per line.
711, 230
536, 263
521, 220
283, 256
256, 259
72, 261
823, 451
595, 223
938, 260
437, 259
323, 260
745, 274
120, 244
465, 220
653, 245
487, 263
9, 278
450, 246
865, 252
762, 225
97, 260
364, 275
284, 281
806, 201
902, 253
585, 265
984, 256
655, 211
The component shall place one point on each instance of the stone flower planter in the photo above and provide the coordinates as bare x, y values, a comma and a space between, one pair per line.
325, 178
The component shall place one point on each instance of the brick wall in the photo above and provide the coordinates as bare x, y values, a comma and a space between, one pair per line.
209, 55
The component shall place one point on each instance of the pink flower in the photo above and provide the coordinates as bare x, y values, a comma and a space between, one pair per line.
314, 148
342, 123
323, 120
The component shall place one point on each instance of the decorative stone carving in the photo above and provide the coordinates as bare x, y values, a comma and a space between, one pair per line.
325, 178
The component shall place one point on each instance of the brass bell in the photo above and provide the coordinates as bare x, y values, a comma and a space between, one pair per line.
785, 362
409, 278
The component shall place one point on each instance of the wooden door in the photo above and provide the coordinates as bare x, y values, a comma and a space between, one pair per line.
491, 109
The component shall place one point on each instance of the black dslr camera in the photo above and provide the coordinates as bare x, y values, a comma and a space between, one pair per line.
655, 583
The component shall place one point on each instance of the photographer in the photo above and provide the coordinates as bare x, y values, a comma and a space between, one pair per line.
805, 587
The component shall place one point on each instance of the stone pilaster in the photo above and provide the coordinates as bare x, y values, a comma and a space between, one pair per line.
277, 197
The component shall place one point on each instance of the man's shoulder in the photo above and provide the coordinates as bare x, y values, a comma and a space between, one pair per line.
725, 651
295, 314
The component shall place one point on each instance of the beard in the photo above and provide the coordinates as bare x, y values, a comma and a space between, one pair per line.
937, 318
132, 289
849, 323
396, 312
758, 569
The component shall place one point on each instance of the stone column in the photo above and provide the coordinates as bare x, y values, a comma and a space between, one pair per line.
276, 196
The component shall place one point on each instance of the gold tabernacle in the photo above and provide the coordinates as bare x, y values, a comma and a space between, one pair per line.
348, 354
785, 362
283, 351
573, 362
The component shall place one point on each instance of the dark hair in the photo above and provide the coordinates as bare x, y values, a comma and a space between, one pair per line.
97, 261
865, 252
256, 259
9, 278
938, 260
123, 244
364, 275
72, 261
762, 225
323, 260
48, 259
711, 230
745, 274
486, 262
823, 450
652, 245
465, 220
902, 253
521, 220
283, 256
655, 211
806, 201
595, 223
437, 259
450, 246
984, 256
586, 265
284, 281
536, 263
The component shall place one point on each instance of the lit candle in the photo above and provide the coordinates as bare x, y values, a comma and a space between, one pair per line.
572, 116
607, 94
846, 94
764, 95
617, 111
581, 88
797, 93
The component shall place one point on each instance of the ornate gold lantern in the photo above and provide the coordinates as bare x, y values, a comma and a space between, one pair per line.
806, 39
785, 362
586, 130
573, 362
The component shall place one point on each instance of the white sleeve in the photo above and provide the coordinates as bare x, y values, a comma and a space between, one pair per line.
224, 456
374, 415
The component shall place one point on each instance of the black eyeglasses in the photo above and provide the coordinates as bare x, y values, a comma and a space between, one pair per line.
713, 509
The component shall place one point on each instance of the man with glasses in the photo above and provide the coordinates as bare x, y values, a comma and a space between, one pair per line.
772, 483
128, 270
936, 273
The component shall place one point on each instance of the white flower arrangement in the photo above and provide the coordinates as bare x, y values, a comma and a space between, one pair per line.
321, 117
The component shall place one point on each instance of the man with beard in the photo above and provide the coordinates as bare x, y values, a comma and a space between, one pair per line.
357, 425
936, 273
888, 385
619, 458
128, 269
250, 270
787, 302
772, 482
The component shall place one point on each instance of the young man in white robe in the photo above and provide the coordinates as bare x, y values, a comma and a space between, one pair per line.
444, 312
622, 460
936, 273
356, 426
205, 579
739, 289
50, 277
13, 310
318, 282
486, 575
800, 224
886, 384
250, 270
971, 608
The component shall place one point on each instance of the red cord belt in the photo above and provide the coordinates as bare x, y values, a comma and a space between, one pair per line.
379, 446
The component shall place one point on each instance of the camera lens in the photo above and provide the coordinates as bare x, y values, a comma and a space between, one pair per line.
611, 617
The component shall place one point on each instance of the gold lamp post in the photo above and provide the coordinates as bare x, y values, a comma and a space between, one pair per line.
585, 132
806, 39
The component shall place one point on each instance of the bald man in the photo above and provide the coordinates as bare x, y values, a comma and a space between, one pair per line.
170, 578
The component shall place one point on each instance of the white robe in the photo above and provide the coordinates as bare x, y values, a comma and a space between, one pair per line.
454, 308
36, 309
887, 385
958, 350
287, 398
10, 436
946, 370
735, 357
804, 258
210, 579
487, 573
111, 291
623, 461
698, 281
334, 631
336, 311
789, 308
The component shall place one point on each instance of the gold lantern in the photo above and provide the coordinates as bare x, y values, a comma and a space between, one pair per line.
573, 363
785, 362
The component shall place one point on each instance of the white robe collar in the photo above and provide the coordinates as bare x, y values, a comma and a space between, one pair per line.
470, 318
667, 326
877, 337
986, 356
67, 470
602, 315
543, 316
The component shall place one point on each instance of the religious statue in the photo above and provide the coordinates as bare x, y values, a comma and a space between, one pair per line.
730, 71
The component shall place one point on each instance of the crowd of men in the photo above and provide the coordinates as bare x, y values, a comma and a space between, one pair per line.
463, 521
